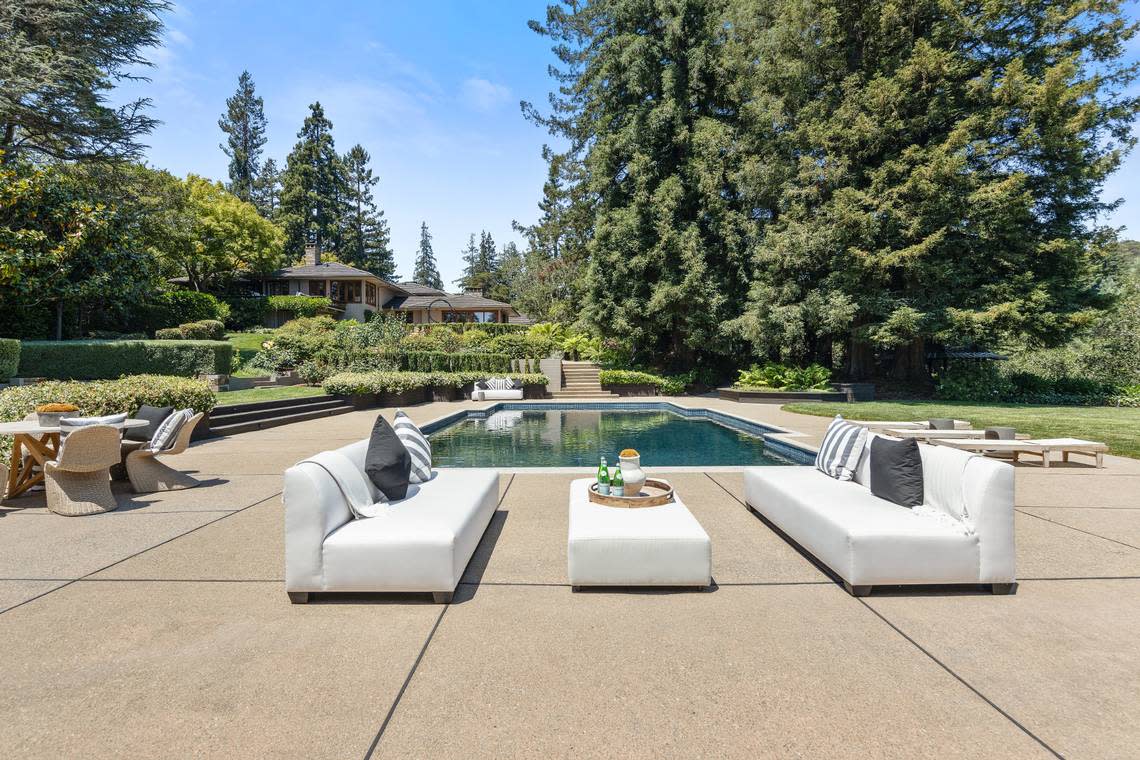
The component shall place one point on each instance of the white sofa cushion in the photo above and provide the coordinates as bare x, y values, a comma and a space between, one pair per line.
864, 539
420, 543
842, 446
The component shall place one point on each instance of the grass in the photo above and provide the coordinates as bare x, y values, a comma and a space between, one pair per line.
272, 393
1118, 427
246, 345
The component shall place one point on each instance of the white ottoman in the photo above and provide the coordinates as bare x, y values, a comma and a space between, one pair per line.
653, 546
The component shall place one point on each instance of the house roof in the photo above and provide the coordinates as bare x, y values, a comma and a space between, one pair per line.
453, 301
328, 270
416, 289
518, 318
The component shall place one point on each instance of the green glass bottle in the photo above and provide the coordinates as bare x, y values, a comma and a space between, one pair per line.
603, 478
617, 483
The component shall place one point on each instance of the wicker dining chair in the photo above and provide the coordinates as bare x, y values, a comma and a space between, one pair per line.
147, 474
78, 481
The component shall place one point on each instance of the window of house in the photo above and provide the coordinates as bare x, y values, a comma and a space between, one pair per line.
370, 294
456, 316
316, 287
485, 316
344, 291
277, 288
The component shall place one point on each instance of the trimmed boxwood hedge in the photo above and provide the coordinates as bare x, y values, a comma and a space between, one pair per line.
9, 358
105, 359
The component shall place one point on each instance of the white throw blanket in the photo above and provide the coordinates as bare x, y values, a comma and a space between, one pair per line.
350, 481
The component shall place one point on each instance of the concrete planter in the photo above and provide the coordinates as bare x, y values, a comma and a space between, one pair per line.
778, 397
363, 401
857, 391
444, 393
407, 398
533, 391
643, 389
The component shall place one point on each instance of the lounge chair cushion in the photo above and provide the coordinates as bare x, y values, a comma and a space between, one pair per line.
388, 463
69, 425
152, 414
418, 446
896, 471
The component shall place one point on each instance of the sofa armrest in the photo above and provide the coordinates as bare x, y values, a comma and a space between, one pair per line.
314, 508
988, 487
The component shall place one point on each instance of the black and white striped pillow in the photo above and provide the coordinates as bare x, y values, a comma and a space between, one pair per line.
841, 449
417, 445
501, 384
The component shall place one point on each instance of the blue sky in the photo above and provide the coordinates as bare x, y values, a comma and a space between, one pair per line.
430, 89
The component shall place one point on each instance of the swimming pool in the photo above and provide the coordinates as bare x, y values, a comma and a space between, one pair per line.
577, 434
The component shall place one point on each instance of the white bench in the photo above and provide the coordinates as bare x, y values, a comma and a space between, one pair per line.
649, 546
962, 534
421, 543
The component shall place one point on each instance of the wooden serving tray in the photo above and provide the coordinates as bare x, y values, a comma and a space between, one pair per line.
654, 493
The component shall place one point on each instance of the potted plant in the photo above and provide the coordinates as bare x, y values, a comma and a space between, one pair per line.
49, 415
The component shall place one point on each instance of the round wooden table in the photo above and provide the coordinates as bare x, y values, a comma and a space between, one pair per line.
42, 445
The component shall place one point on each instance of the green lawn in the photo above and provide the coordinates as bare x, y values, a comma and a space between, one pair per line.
273, 393
245, 346
1119, 428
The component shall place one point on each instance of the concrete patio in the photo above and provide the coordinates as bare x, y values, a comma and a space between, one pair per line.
163, 630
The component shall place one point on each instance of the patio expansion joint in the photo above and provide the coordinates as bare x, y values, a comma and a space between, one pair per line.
1078, 530
962, 680
136, 554
407, 680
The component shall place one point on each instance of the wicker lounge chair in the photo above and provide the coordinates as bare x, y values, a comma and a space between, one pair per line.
147, 474
78, 481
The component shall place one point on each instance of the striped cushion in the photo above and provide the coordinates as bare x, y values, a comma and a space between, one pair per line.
167, 432
841, 449
71, 424
500, 384
417, 445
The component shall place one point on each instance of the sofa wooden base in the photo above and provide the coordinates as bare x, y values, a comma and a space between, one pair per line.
298, 597
442, 597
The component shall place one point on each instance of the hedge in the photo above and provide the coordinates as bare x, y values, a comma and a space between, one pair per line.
442, 361
9, 358
105, 397
667, 385
491, 328
99, 360
302, 306
204, 329
356, 383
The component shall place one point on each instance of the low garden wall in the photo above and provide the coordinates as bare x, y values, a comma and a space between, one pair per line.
638, 389
779, 397
107, 359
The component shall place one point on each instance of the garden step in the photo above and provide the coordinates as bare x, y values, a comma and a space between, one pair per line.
224, 408
222, 415
284, 416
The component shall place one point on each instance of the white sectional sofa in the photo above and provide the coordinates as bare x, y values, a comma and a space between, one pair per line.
421, 543
962, 534
490, 394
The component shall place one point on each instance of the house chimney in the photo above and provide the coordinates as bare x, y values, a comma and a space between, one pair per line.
312, 253
473, 291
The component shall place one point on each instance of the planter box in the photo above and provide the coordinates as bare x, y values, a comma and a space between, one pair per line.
363, 401
531, 392
857, 391
443, 393
407, 398
643, 389
779, 397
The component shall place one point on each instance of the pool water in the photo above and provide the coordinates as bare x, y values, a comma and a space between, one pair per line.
578, 437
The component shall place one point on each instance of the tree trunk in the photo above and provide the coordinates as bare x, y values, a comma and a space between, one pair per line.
910, 362
860, 360
59, 320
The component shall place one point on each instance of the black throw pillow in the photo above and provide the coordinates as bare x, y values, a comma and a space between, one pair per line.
896, 471
152, 414
387, 462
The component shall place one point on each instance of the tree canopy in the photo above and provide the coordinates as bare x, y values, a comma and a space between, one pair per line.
366, 240
426, 271
244, 125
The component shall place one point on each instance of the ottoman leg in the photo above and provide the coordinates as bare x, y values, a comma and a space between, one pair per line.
299, 597
441, 597
575, 589
857, 590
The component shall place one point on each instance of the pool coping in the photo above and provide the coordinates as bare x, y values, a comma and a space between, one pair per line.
773, 435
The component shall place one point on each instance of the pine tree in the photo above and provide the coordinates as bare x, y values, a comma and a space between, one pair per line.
267, 190
366, 237
426, 272
470, 257
313, 188
244, 124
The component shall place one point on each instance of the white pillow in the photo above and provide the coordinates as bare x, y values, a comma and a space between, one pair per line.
841, 449
167, 431
71, 424
417, 445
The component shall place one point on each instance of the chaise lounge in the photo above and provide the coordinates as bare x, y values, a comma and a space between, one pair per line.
421, 543
961, 534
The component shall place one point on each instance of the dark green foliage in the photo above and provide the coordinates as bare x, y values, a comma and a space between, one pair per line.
988, 382
60, 63
359, 383
244, 124
439, 361
366, 242
176, 306
246, 312
267, 190
9, 358
91, 360
781, 377
667, 386
520, 345
426, 271
313, 188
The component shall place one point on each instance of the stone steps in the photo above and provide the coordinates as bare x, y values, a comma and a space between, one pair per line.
581, 380
259, 415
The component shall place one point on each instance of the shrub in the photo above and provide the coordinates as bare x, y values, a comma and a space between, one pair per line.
247, 312
179, 306
669, 386
96, 360
105, 397
302, 306
974, 381
9, 358
356, 383
205, 329
522, 345
439, 361
784, 378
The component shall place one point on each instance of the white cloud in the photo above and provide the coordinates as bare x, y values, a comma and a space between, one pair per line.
484, 95
178, 37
